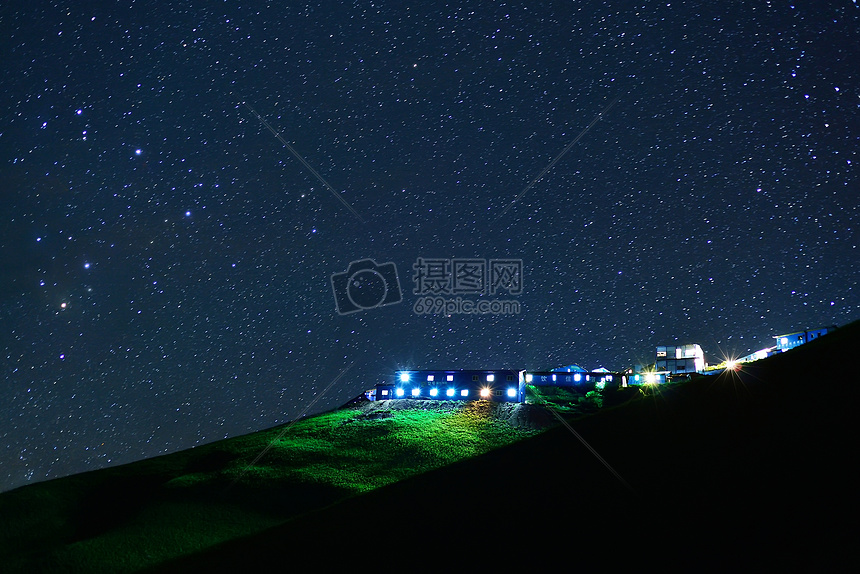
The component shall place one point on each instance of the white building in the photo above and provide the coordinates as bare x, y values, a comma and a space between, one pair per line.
680, 359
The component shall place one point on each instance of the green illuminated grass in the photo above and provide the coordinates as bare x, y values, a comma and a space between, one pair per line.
139, 515
568, 400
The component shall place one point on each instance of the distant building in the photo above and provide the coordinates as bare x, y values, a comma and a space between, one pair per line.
569, 369
792, 340
499, 385
680, 359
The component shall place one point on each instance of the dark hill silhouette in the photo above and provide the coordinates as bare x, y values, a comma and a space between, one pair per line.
749, 469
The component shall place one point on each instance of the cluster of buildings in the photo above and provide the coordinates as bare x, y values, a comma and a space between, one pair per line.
509, 385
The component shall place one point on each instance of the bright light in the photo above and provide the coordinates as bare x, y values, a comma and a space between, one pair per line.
577, 377
399, 392
434, 392
450, 378
529, 377
485, 392
491, 378
450, 392
553, 378
512, 392
649, 378
404, 377
464, 393
732, 366
384, 392
416, 391
430, 378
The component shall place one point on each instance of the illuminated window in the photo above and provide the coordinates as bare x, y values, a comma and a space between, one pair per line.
464, 393
404, 377
399, 392
450, 378
434, 392
485, 392
529, 377
430, 378
553, 378
512, 392
385, 392
416, 391
450, 392
491, 377
577, 377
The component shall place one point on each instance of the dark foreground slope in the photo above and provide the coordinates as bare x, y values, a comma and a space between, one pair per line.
742, 470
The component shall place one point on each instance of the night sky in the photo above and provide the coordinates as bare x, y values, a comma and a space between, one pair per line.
166, 261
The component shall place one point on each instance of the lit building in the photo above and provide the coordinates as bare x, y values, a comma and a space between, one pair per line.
792, 340
648, 378
680, 359
501, 385
574, 376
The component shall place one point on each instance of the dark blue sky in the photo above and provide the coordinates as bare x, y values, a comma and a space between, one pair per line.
166, 260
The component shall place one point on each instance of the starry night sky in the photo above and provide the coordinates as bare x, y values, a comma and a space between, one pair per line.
166, 260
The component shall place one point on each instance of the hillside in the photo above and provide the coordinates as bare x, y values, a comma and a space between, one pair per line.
744, 468
141, 514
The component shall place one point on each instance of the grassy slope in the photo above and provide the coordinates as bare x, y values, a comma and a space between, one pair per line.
719, 465
139, 515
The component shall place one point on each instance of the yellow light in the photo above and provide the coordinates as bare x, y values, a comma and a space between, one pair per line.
485, 392
732, 366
